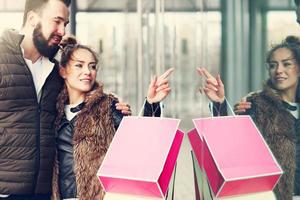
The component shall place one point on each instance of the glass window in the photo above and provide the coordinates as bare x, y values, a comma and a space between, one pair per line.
12, 20
187, 40
281, 24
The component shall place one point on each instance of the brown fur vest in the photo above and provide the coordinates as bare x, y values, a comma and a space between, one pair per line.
92, 135
277, 126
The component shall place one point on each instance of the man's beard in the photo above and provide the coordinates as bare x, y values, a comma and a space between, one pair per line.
41, 43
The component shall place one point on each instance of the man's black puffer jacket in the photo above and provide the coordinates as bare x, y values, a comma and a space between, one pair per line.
27, 143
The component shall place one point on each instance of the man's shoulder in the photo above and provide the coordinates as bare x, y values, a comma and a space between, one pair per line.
10, 41
3, 44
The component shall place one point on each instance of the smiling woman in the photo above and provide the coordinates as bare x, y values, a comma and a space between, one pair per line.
79, 72
275, 110
284, 71
87, 120
85, 125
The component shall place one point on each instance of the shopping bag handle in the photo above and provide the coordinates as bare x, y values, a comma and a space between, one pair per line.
141, 111
211, 107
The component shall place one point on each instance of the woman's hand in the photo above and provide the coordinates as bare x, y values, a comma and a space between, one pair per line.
214, 88
242, 106
159, 87
124, 108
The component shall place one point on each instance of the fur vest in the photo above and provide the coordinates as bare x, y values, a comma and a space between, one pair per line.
277, 125
93, 133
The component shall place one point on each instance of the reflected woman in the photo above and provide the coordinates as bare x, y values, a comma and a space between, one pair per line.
275, 110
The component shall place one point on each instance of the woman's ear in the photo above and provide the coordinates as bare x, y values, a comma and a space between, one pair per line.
62, 72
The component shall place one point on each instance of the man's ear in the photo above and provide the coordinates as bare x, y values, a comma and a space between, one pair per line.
62, 71
32, 18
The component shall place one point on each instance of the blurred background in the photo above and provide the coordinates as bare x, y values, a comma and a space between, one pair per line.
139, 38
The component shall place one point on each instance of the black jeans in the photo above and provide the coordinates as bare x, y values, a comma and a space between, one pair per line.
27, 197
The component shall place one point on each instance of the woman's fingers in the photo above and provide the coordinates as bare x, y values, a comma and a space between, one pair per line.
162, 87
241, 107
212, 81
167, 73
211, 87
161, 82
123, 107
219, 81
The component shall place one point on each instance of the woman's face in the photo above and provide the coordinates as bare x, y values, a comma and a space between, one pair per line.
283, 70
80, 72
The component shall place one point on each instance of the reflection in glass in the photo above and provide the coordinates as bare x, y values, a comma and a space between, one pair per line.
184, 40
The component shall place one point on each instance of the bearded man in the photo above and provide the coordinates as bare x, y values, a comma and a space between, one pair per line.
29, 85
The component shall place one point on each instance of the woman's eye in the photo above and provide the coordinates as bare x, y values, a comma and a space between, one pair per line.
286, 64
272, 65
78, 65
94, 67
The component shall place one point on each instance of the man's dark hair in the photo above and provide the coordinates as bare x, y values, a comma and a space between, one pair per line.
36, 5
297, 2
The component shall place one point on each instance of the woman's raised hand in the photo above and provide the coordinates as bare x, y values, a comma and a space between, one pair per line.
159, 87
213, 88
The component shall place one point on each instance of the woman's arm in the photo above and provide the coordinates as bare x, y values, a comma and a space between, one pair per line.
219, 109
117, 114
152, 110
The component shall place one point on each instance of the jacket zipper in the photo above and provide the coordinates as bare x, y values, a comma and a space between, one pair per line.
37, 159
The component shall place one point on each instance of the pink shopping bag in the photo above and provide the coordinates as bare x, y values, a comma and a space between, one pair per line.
117, 196
141, 158
203, 190
234, 156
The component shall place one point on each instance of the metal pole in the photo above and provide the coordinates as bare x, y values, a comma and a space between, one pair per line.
73, 12
162, 46
139, 55
157, 37
163, 35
